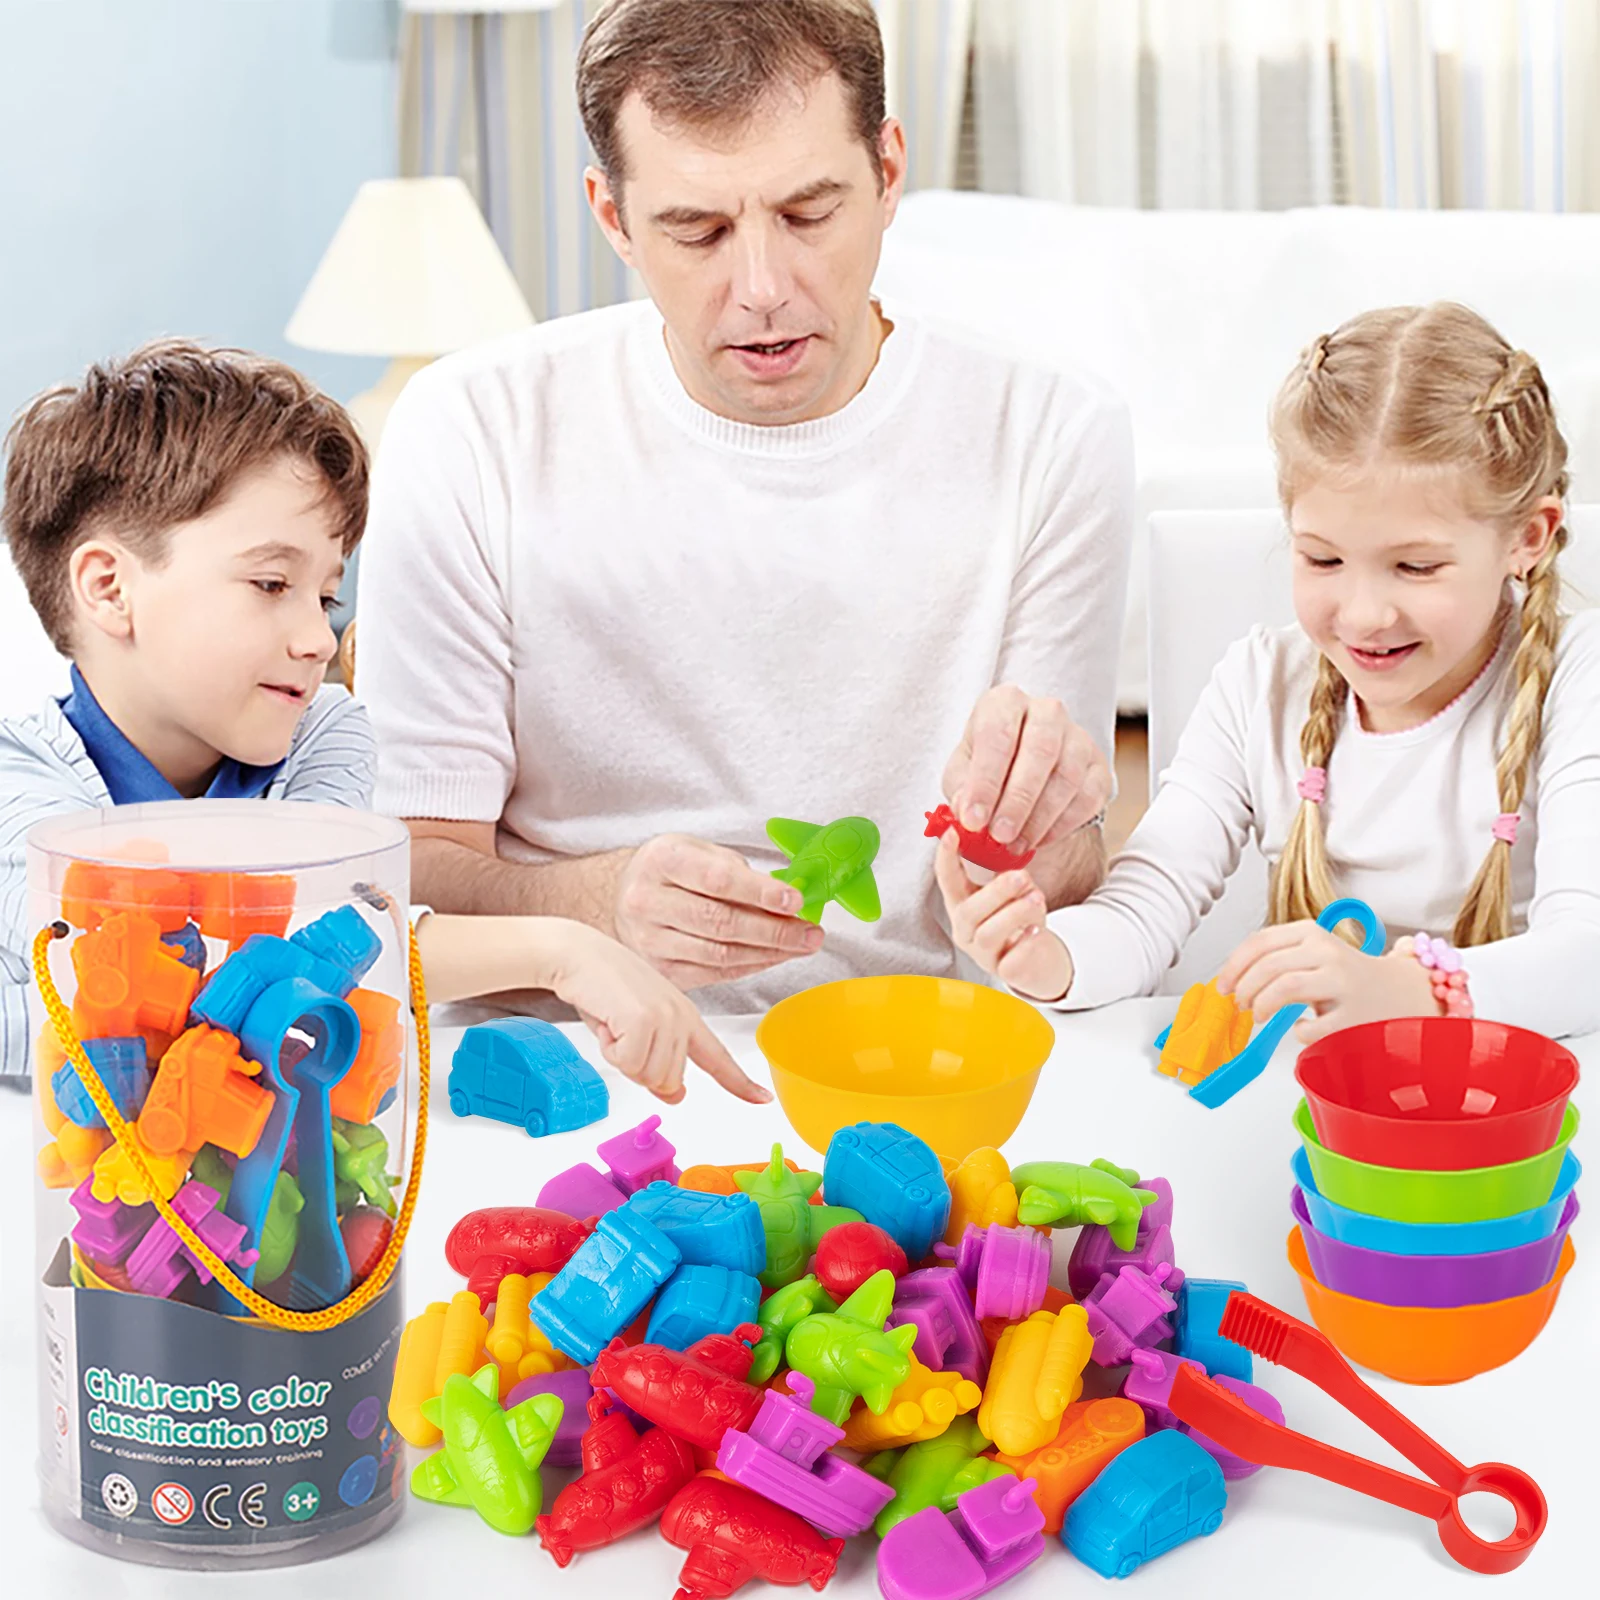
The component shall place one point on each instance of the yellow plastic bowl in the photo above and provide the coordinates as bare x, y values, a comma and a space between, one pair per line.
955, 1063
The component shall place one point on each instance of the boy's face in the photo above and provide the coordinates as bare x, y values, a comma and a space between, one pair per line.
218, 649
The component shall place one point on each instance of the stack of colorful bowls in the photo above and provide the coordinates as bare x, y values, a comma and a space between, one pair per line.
1434, 1191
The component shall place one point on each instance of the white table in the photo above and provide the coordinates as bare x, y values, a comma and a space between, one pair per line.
1284, 1533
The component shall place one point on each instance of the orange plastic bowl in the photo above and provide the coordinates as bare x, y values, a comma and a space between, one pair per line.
1428, 1344
1439, 1093
955, 1063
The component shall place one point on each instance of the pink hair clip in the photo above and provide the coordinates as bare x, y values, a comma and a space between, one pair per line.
1505, 827
1313, 785
1446, 976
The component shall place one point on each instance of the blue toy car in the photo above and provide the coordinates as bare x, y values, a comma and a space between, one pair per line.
893, 1179
1151, 1498
520, 1070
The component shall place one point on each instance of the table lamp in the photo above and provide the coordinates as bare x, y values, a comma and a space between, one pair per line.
412, 273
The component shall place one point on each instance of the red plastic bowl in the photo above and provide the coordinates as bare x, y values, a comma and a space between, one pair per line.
1437, 1093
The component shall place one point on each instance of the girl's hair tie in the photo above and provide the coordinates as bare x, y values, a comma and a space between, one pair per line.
1505, 827
1313, 785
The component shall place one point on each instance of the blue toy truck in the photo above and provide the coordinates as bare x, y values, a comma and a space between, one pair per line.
1151, 1498
710, 1230
893, 1179
605, 1285
520, 1070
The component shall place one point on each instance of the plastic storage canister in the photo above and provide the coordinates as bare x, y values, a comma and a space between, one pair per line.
173, 1432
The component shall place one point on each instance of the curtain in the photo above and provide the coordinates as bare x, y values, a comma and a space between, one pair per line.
489, 96
1262, 104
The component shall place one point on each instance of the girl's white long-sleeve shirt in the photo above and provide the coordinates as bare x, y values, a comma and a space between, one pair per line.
1407, 818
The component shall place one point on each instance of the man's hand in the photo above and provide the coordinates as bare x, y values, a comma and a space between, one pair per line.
1303, 963
1024, 763
700, 913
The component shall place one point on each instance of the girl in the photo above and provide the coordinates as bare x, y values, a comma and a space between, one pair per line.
1426, 739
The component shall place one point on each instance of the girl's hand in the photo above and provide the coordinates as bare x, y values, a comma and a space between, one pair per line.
1301, 963
646, 1026
1001, 926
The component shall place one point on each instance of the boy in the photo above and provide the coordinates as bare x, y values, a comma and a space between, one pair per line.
181, 520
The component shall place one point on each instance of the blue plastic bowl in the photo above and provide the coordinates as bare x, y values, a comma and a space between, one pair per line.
1433, 1238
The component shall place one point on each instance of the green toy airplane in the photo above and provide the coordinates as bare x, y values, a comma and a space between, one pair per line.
847, 1352
793, 1226
832, 862
490, 1459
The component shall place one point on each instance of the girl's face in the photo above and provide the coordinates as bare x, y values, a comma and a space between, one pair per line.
1401, 587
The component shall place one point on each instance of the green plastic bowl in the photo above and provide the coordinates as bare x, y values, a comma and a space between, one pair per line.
1403, 1194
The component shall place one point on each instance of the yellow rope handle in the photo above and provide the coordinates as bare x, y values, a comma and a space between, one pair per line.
297, 1321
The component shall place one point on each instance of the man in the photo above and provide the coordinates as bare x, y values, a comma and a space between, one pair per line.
637, 580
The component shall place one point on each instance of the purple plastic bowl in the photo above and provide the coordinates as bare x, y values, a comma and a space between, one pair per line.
1392, 1280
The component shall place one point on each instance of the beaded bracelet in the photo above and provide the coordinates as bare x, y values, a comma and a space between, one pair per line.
1446, 975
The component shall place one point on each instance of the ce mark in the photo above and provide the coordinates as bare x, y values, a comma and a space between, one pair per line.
249, 1506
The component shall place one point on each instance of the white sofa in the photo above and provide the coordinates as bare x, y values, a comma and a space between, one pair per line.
1196, 316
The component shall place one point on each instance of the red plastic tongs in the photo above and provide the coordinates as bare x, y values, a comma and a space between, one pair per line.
1285, 1341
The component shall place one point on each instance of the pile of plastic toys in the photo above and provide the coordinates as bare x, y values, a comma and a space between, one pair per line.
250, 1092
765, 1375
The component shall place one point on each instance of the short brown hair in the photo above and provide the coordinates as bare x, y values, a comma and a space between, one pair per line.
157, 439
711, 63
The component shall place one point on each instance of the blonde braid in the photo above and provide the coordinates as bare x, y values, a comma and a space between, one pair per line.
1303, 884
1485, 914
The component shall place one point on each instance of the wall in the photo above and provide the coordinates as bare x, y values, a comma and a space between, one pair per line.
178, 166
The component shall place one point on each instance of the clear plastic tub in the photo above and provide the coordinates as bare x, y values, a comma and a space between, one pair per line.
238, 973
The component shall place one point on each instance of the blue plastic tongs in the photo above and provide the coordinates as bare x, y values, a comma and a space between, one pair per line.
1220, 1086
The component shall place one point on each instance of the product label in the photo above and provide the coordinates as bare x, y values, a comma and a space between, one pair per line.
194, 1428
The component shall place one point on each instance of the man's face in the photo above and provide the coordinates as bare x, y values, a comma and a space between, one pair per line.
759, 245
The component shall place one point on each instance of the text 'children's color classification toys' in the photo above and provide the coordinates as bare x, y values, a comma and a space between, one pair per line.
899, 1364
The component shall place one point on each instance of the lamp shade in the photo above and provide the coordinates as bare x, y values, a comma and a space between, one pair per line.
412, 271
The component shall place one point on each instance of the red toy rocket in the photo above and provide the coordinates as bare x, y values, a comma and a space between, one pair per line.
486, 1245
979, 848
733, 1535
697, 1394
626, 1484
